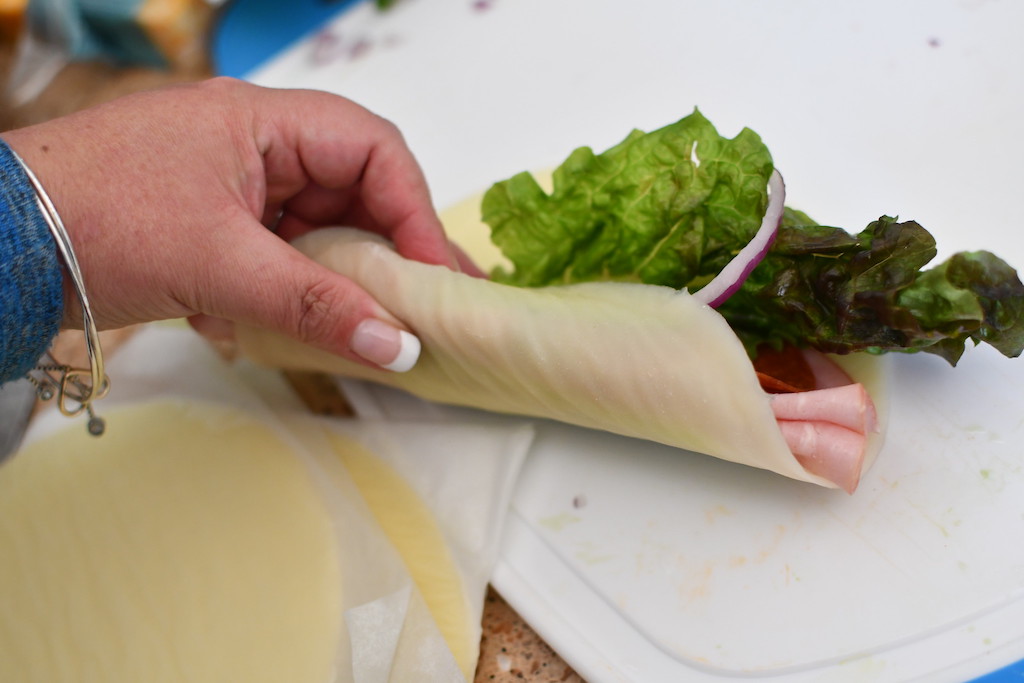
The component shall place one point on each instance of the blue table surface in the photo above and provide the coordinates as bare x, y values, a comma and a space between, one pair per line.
250, 32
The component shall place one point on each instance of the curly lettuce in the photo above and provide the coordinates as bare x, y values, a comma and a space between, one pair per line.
671, 207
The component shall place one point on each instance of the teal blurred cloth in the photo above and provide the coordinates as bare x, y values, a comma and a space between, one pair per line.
103, 29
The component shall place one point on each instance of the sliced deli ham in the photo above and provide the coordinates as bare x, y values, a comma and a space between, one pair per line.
845, 406
828, 450
638, 360
828, 420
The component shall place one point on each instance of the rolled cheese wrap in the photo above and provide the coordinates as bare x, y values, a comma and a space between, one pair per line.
637, 360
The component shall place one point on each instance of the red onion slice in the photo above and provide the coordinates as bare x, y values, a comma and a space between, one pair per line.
731, 278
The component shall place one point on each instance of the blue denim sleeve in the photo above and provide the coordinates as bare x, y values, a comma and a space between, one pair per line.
31, 282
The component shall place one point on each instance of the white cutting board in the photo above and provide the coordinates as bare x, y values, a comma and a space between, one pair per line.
640, 563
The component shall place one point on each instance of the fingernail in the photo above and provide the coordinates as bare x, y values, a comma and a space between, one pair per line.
385, 345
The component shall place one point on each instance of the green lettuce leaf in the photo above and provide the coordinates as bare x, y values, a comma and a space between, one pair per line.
643, 211
672, 207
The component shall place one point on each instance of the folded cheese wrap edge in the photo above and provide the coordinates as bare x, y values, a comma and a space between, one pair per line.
638, 360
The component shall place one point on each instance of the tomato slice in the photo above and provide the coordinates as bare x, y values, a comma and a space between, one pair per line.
783, 371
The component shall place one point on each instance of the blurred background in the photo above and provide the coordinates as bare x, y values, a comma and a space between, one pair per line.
57, 56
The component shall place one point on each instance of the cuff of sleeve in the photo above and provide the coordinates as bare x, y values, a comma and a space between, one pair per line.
31, 281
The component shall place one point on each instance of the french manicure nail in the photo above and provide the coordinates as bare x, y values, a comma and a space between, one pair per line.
385, 345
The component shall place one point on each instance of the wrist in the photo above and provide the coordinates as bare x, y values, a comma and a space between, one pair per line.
74, 389
31, 295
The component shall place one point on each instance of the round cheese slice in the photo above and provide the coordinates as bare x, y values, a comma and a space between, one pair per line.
186, 544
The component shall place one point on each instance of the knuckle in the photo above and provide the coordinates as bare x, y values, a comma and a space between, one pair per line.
221, 83
321, 310
389, 130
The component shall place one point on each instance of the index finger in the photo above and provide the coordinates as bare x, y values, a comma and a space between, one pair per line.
310, 138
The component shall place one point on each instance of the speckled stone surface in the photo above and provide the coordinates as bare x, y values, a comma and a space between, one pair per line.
511, 651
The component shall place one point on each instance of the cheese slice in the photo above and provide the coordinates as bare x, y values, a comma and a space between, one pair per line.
196, 542
638, 360
409, 524
187, 544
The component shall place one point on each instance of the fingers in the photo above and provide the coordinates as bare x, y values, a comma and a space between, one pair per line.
357, 171
466, 264
219, 333
263, 282
218, 330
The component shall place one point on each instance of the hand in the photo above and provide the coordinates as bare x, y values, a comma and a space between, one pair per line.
179, 203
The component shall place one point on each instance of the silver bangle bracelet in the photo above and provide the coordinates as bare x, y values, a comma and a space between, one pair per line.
75, 389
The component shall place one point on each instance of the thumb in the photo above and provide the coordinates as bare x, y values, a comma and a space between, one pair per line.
271, 285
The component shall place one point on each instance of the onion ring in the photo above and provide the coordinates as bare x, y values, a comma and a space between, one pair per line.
735, 273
